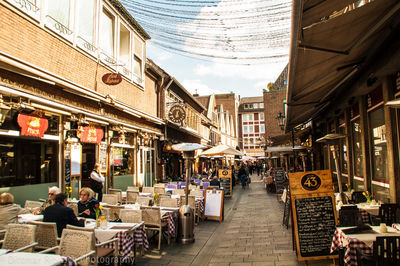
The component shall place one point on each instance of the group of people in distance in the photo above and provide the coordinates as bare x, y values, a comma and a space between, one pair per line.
55, 208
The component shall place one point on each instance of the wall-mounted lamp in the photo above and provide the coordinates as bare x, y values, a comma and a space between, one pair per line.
4, 109
281, 120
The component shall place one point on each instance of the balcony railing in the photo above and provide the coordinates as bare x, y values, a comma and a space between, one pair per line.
27, 5
58, 26
87, 45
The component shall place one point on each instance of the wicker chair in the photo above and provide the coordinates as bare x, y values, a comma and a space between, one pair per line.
101, 251
168, 202
131, 188
152, 221
197, 193
19, 237
112, 212
145, 201
33, 204
178, 192
110, 199
130, 216
131, 196
163, 185
82, 252
117, 192
148, 190
159, 190
46, 234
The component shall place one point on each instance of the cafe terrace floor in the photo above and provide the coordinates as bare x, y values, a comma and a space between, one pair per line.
252, 234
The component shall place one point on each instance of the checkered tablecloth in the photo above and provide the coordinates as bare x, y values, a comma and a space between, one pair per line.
67, 261
364, 216
350, 257
126, 241
199, 204
170, 218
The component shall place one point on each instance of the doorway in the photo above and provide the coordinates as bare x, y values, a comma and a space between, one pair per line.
88, 162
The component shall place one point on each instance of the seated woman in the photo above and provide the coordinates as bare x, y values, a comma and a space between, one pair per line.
53, 191
86, 203
8, 210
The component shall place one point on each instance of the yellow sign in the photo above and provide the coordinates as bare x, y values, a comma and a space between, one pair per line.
222, 173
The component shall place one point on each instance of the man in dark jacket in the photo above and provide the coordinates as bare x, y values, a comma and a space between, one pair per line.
60, 214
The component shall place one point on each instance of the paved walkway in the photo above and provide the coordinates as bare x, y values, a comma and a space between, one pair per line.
252, 234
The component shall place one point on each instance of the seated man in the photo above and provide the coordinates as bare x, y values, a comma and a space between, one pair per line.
215, 182
60, 214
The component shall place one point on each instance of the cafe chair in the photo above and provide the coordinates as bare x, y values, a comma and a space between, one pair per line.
178, 192
148, 190
77, 244
349, 216
101, 252
387, 213
163, 185
130, 216
358, 197
152, 222
30, 204
159, 190
131, 188
386, 251
46, 234
131, 196
169, 202
110, 199
145, 201
117, 192
19, 237
112, 212
197, 193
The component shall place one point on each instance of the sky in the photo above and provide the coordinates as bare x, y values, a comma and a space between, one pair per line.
217, 46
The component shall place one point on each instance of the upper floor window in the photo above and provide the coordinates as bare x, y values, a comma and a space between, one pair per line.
261, 105
251, 129
245, 129
124, 50
250, 117
85, 25
262, 129
244, 117
107, 33
59, 17
138, 59
262, 116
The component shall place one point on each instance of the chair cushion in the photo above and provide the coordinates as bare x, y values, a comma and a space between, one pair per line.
103, 252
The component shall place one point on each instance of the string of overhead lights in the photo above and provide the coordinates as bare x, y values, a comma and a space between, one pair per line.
227, 30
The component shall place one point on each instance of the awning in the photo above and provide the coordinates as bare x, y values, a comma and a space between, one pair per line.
221, 150
285, 148
329, 49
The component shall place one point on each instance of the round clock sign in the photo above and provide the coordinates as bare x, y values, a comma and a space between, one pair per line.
177, 113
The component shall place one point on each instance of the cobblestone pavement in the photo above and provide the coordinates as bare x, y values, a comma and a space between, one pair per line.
251, 234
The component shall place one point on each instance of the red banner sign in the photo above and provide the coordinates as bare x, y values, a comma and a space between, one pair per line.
34, 126
112, 78
91, 134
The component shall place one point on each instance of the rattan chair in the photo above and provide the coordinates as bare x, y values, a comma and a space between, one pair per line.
163, 185
112, 212
19, 237
110, 199
159, 190
46, 234
130, 216
131, 188
178, 192
32, 204
117, 192
79, 245
148, 190
101, 251
197, 193
152, 221
131, 196
168, 202
145, 201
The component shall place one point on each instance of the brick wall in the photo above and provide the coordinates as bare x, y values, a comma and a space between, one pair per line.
34, 44
273, 104
228, 102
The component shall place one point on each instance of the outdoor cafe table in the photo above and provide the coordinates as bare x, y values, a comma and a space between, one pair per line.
365, 210
170, 215
363, 241
29, 258
28, 217
121, 231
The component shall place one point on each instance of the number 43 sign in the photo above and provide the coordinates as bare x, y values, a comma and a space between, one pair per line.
310, 182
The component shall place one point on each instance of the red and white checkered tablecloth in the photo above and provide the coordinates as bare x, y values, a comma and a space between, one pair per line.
126, 241
350, 257
199, 204
170, 218
67, 261
364, 216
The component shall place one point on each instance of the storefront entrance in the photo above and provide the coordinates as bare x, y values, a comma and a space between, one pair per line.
88, 161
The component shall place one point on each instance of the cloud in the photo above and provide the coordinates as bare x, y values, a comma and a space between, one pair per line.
195, 85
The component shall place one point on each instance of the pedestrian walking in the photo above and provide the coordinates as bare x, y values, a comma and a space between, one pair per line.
243, 173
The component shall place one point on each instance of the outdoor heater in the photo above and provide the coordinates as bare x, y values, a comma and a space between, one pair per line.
186, 213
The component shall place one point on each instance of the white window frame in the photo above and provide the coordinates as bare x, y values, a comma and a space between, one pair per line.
28, 8
135, 78
261, 116
251, 117
245, 129
127, 68
251, 129
104, 57
262, 126
65, 31
82, 43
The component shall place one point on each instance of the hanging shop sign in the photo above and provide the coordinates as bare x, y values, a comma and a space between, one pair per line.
112, 78
32, 125
177, 113
91, 134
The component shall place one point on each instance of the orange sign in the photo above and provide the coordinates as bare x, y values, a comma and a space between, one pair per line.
34, 126
91, 134
112, 78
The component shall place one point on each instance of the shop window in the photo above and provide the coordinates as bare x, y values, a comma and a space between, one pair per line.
358, 156
123, 167
380, 167
343, 162
25, 161
85, 24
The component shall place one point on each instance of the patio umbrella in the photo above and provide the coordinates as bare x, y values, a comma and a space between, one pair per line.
248, 158
221, 150
187, 146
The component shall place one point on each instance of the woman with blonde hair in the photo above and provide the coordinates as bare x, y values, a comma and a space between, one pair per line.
86, 203
9, 211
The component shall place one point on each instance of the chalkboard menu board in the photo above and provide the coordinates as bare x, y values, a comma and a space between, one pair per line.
226, 181
315, 225
280, 180
67, 165
286, 210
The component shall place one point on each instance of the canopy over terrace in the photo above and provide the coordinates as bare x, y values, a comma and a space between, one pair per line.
221, 150
331, 47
